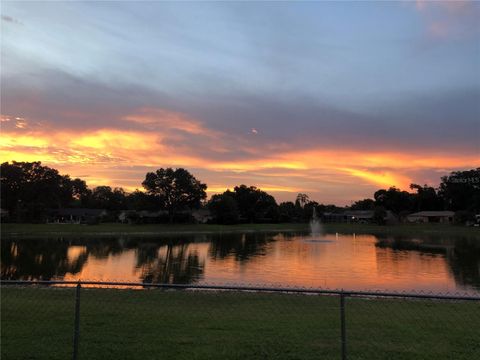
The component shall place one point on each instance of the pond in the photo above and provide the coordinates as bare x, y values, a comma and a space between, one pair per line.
334, 261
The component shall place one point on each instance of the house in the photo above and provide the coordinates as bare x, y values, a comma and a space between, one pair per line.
75, 215
142, 216
431, 217
333, 217
202, 216
477, 220
4, 214
361, 216
358, 216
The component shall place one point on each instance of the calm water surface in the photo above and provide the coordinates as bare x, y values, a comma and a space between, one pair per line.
357, 262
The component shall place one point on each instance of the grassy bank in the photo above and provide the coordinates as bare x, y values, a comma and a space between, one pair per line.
155, 324
34, 230
144, 229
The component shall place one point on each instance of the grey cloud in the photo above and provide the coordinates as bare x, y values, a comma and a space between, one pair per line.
443, 121
447, 120
10, 19
68, 102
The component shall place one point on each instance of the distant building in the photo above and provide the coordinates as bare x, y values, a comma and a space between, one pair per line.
202, 216
4, 214
142, 216
334, 217
357, 216
431, 217
75, 215
362, 216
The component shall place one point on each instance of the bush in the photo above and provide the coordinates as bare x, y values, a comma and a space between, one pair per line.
464, 217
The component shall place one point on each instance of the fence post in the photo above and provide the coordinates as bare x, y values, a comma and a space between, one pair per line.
76, 331
343, 326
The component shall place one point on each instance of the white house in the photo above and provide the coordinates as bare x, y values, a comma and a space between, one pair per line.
431, 217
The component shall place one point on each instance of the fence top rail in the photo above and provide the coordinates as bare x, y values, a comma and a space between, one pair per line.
342, 292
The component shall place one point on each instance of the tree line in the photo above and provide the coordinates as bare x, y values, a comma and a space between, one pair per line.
29, 190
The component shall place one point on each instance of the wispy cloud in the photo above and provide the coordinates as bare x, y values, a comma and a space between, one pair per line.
450, 19
10, 19
125, 156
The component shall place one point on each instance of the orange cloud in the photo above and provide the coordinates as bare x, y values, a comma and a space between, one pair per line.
381, 178
162, 119
121, 157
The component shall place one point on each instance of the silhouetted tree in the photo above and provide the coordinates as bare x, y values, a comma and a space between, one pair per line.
394, 199
302, 200
379, 214
254, 205
426, 198
365, 204
29, 189
80, 192
321, 208
461, 190
138, 200
104, 197
308, 210
175, 189
224, 208
287, 212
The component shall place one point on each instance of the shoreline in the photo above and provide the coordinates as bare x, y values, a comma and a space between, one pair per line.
116, 229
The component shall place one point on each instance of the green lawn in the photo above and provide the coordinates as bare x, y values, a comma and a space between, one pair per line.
37, 323
147, 229
35, 230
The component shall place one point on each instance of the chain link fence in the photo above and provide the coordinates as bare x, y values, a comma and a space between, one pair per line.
98, 320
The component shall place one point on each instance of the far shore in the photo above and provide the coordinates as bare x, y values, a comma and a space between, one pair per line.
112, 229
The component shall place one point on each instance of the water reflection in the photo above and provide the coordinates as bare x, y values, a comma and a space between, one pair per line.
462, 254
355, 262
38, 260
172, 264
241, 246
464, 262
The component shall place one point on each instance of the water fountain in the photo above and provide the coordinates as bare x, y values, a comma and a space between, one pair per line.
316, 229
315, 225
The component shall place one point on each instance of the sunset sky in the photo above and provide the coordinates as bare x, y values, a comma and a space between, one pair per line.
334, 99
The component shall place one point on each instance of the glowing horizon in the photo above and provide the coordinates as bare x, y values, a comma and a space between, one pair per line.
91, 155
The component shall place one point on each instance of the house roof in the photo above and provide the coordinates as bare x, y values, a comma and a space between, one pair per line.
201, 212
333, 214
78, 212
365, 214
361, 214
151, 214
433, 213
